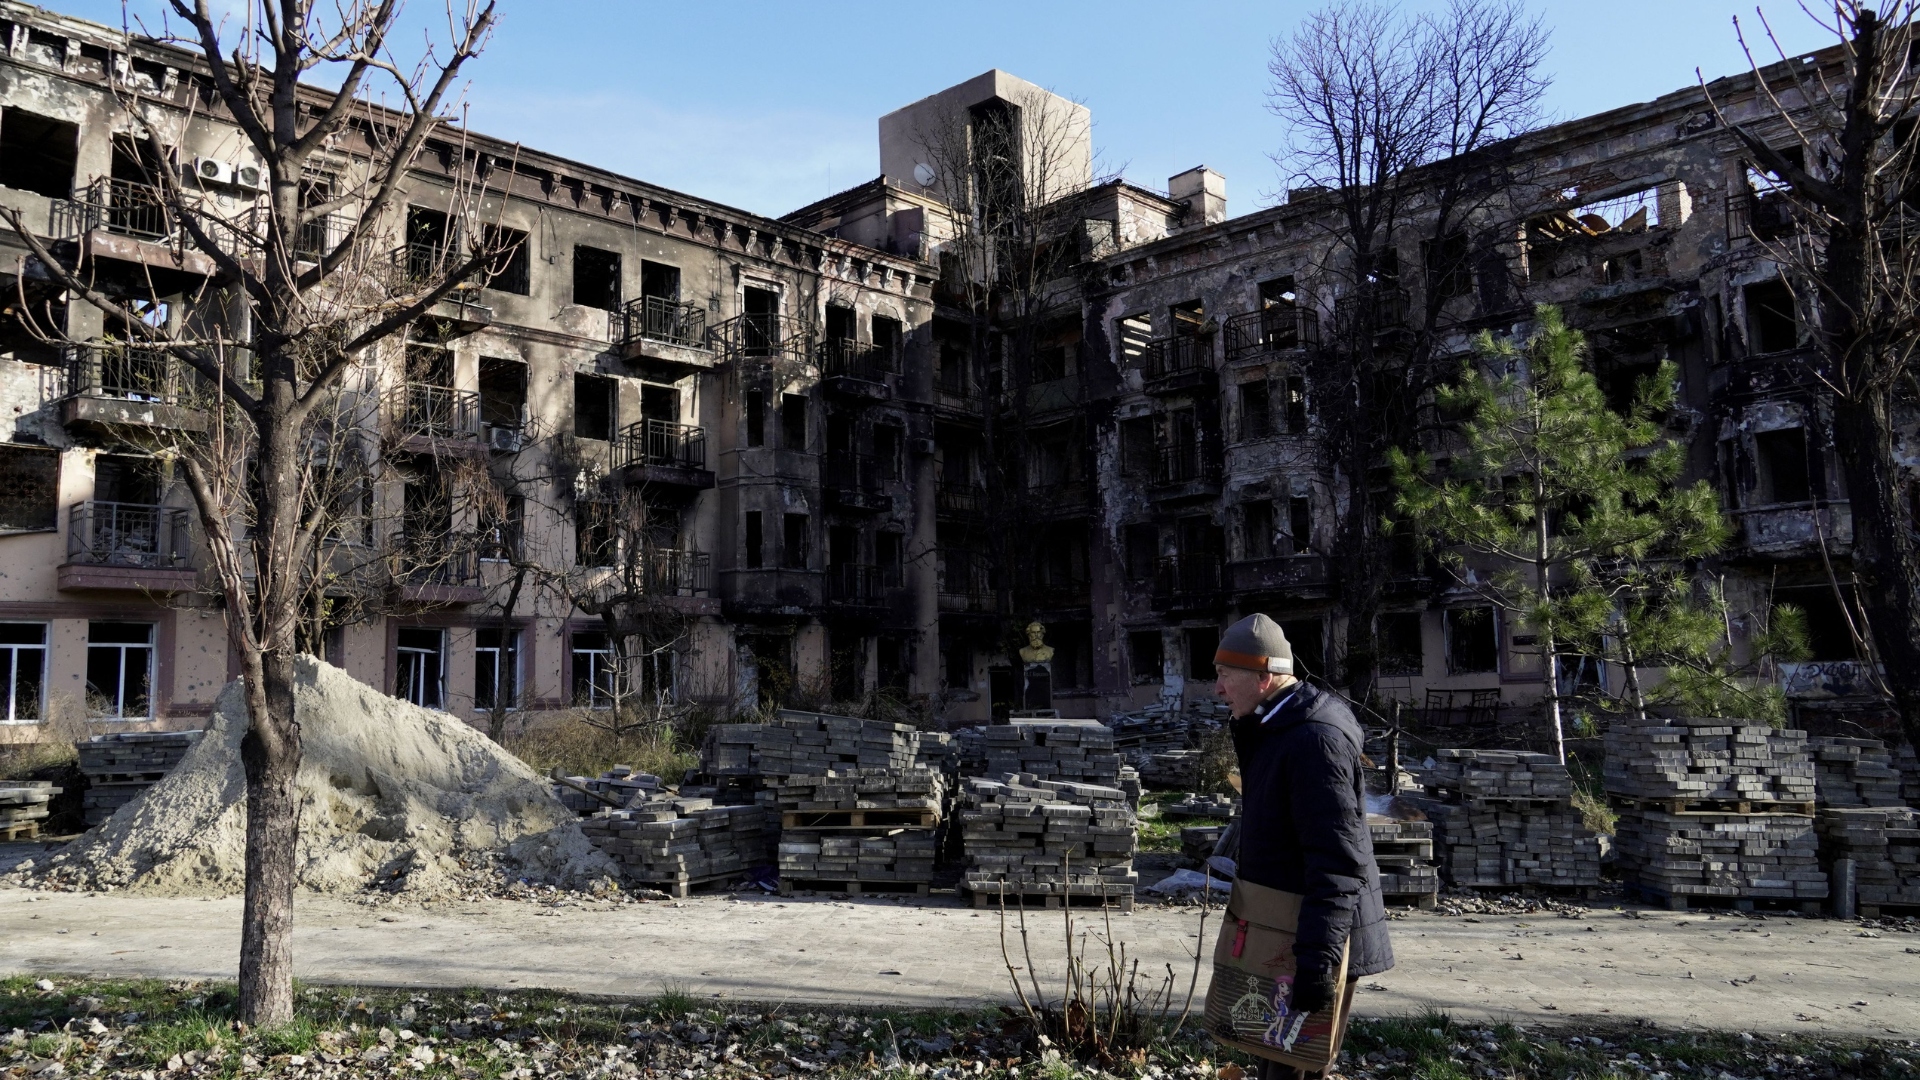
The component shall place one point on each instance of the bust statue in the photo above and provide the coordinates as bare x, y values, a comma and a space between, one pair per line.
1037, 650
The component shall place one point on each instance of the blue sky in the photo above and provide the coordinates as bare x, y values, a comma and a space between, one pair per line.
769, 106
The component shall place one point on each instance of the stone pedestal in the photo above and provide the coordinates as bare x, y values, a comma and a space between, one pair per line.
1037, 690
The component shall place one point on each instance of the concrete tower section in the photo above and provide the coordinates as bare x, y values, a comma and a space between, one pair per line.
923, 143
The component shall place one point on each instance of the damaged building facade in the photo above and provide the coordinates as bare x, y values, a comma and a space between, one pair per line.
854, 480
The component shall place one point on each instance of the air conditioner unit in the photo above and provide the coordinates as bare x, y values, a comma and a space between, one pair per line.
211, 171
251, 176
504, 439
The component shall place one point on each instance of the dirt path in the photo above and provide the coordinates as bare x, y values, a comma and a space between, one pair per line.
1694, 970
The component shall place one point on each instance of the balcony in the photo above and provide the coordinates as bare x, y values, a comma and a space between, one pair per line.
966, 584
956, 390
129, 222
666, 457
422, 266
1178, 363
769, 591
958, 499
435, 571
115, 388
662, 335
853, 482
856, 370
1292, 576
1069, 498
1188, 583
1795, 530
1254, 334
316, 238
1188, 471
427, 419
767, 338
1381, 310
129, 546
858, 586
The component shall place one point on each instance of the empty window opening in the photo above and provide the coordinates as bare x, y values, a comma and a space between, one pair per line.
658, 281
29, 488
1278, 293
1400, 648
1300, 523
1146, 651
754, 545
1472, 641
1307, 638
755, 419
510, 269
1142, 552
119, 671
1136, 446
760, 329
1772, 317
1072, 655
1189, 318
125, 478
1256, 410
1202, 643
23, 672
38, 153
428, 233
1829, 636
1256, 529
596, 277
793, 421
659, 403
596, 682
795, 546
596, 542
1296, 390
496, 669
887, 440
957, 665
841, 323
888, 339
594, 399
889, 558
1781, 466
503, 392
1449, 271
1134, 333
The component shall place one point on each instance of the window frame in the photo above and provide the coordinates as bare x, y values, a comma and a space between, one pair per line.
401, 653
10, 672
151, 650
511, 647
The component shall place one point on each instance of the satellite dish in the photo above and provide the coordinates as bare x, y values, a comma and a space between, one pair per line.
924, 175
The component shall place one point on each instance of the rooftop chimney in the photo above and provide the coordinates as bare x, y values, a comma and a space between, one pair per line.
1205, 193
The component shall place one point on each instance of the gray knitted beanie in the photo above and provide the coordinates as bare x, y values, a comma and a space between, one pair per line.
1257, 643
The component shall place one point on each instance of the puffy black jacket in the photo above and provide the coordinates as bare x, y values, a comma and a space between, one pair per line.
1304, 827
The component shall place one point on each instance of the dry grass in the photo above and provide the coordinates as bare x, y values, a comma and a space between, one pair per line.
567, 742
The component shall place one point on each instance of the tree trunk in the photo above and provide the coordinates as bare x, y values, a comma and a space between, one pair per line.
270, 751
1884, 547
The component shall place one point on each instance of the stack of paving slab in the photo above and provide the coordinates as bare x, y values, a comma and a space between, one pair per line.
1076, 751
620, 783
1505, 818
1854, 772
1201, 806
1173, 769
1403, 850
120, 768
677, 844
799, 743
857, 830
1884, 844
23, 806
1029, 837
1198, 841
1714, 808
1908, 763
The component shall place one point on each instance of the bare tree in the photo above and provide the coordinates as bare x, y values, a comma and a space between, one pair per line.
1395, 128
276, 330
1834, 144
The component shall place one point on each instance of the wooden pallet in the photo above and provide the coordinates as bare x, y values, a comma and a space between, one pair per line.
681, 889
1876, 911
1683, 807
1425, 901
1684, 901
1110, 897
24, 830
859, 819
853, 888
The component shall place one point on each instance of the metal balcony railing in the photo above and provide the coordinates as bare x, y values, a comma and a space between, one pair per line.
955, 381
125, 207
663, 443
316, 238
847, 358
133, 372
966, 581
1383, 309
1186, 463
1174, 355
1190, 579
852, 471
764, 336
656, 318
854, 583
960, 498
434, 412
129, 534
675, 572
1256, 333
443, 559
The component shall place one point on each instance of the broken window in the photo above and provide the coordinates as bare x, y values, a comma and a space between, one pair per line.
37, 153
511, 268
1769, 199
1256, 529
1300, 523
888, 558
1072, 655
1056, 352
1449, 272
1146, 654
126, 478
1472, 641
596, 277
1256, 410
29, 488
496, 669
886, 451
428, 233
840, 323
119, 671
1782, 467
594, 400
957, 665
1296, 405
954, 374
658, 281
1772, 317
1136, 446
1202, 642
793, 421
796, 543
1308, 639
888, 337
23, 672
1133, 333
754, 550
756, 418
760, 321
1829, 635
1189, 318
596, 677
503, 392
1401, 650
1142, 552
595, 542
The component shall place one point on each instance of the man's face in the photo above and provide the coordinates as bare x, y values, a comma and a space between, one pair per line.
1243, 689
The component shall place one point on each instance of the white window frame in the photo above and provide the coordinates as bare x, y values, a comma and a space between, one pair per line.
412, 673
10, 667
602, 672
120, 713
511, 647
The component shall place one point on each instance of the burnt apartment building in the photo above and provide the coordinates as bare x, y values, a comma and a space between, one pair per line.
854, 478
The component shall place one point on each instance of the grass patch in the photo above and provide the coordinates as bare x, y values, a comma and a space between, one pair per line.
1160, 834
569, 743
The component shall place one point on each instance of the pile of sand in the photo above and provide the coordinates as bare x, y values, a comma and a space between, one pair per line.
392, 796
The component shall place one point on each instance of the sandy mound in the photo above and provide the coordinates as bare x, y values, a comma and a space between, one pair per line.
391, 795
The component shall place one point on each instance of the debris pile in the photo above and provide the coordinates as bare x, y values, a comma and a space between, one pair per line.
1854, 772
23, 806
1708, 759
1884, 844
1031, 837
1403, 850
1200, 806
1076, 751
120, 768
677, 844
620, 783
391, 796
1506, 818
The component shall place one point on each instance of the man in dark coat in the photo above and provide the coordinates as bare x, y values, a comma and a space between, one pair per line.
1303, 825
